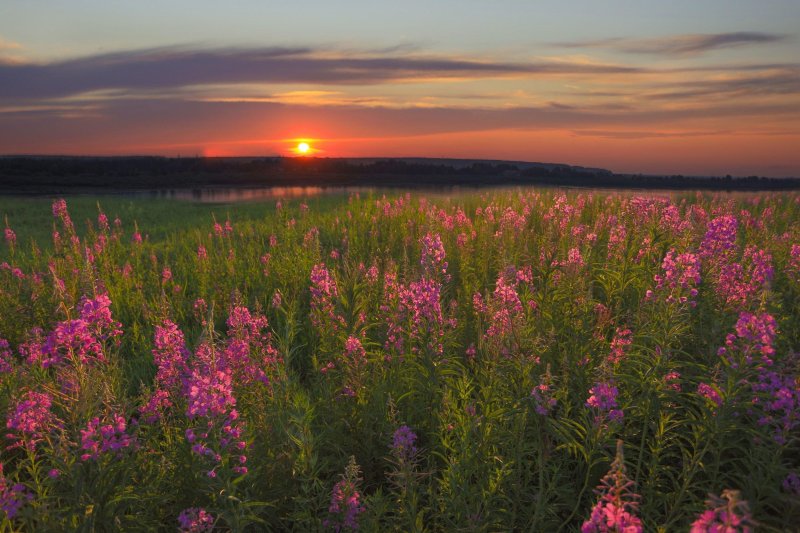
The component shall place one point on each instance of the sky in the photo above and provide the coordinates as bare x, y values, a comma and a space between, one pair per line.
702, 87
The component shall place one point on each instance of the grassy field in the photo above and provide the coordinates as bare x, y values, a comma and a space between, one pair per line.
527, 360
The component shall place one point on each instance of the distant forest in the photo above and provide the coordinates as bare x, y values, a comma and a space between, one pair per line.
52, 175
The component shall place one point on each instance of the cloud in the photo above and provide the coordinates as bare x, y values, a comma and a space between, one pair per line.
781, 82
680, 45
9, 45
175, 67
226, 73
628, 134
9, 52
122, 123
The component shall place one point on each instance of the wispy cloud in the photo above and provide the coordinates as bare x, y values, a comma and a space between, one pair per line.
638, 134
9, 45
781, 82
309, 73
680, 45
175, 67
195, 121
9, 52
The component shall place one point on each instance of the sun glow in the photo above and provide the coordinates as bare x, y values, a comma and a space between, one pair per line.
303, 148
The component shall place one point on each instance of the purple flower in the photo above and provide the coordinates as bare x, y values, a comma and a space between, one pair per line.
209, 393
345, 503
792, 483
195, 520
323, 291
741, 284
12, 495
170, 355
793, 267
710, 393
81, 340
211, 405
680, 278
728, 514
754, 338
543, 394
354, 352
504, 309
96, 312
6, 357
104, 436
404, 444
433, 255
616, 241
720, 239
30, 420
603, 398
249, 352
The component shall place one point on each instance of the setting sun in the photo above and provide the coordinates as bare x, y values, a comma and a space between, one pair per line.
303, 148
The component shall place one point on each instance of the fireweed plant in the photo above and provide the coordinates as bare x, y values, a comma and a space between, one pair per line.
509, 360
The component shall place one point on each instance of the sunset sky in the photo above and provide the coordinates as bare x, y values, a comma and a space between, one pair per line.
691, 87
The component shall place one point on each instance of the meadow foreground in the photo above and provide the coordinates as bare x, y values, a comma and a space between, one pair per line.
525, 360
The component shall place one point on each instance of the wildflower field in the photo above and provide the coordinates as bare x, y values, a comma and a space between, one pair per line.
500, 360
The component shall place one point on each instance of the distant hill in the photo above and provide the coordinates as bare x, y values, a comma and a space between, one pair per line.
58, 174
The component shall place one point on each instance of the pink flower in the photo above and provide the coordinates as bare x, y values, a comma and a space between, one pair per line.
170, 356
603, 398
615, 510
345, 503
726, 514
83, 339
505, 309
471, 352
619, 344
6, 357
672, 381
11, 237
754, 337
543, 394
710, 393
30, 420
793, 266
100, 437
720, 239
60, 212
102, 222
323, 291
195, 520
277, 299
433, 255
680, 278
